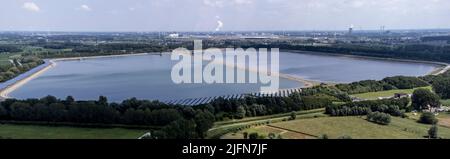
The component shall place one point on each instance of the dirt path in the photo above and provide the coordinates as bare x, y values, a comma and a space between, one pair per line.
289, 130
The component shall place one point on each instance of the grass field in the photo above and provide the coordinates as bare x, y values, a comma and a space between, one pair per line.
359, 128
336, 127
443, 117
375, 95
48, 132
222, 128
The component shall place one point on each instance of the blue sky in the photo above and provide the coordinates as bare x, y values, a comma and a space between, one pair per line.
224, 15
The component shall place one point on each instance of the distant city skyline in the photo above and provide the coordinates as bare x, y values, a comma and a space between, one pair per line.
221, 15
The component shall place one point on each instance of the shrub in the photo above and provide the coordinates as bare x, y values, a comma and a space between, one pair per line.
253, 136
272, 136
379, 118
323, 136
433, 132
345, 137
293, 116
428, 118
245, 135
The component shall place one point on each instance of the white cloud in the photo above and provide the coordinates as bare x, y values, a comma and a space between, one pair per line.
85, 7
30, 6
219, 25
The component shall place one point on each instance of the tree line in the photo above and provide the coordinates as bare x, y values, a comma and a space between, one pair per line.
422, 99
394, 107
129, 112
389, 83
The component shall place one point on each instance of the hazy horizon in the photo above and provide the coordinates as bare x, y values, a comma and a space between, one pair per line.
221, 15
224, 31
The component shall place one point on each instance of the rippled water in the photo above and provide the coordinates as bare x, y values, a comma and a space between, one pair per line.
344, 69
148, 76
118, 78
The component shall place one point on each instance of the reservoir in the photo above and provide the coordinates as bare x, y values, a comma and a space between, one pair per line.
149, 76
347, 69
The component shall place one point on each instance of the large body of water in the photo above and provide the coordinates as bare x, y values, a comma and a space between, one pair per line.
346, 69
148, 76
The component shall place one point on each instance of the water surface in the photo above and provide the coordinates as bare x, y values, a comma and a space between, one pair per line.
119, 78
344, 69
148, 76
